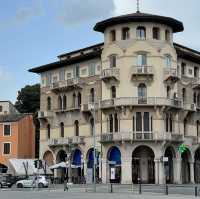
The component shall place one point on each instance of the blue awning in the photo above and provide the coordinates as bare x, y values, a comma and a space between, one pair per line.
91, 158
115, 156
77, 158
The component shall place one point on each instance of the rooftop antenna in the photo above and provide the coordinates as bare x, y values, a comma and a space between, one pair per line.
138, 6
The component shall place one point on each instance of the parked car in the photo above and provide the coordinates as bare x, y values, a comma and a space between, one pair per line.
7, 180
32, 182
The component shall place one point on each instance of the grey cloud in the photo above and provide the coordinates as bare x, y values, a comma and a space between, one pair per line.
79, 11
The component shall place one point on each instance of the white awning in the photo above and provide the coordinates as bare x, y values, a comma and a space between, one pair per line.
63, 165
18, 167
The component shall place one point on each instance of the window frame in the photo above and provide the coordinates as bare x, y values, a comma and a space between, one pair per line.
10, 151
141, 32
113, 35
156, 33
7, 124
125, 33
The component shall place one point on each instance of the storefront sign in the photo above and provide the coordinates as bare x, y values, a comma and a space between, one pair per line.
112, 173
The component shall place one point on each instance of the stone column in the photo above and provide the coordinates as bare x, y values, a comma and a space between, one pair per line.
161, 172
126, 171
104, 171
192, 172
156, 171
85, 169
177, 171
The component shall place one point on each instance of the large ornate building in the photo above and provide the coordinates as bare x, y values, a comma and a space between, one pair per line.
146, 92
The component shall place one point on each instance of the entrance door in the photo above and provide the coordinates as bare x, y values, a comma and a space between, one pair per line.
136, 171
151, 174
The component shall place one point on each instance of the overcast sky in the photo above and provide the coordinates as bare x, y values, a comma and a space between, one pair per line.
34, 32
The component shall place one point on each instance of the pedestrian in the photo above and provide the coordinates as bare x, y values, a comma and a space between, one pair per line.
66, 183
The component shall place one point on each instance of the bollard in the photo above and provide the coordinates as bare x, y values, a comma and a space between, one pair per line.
196, 191
111, 188
166, 190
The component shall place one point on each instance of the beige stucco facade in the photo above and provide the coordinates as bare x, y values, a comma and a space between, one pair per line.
144, 111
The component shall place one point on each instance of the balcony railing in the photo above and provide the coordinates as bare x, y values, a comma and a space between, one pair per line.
89, 106
66, 141
45, 114
196, 83
110, 73
189, 106
66, 84
142, 70
170, 74
68, 109
135, 101
140, 136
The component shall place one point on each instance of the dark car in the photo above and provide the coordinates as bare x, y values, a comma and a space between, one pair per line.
7, 180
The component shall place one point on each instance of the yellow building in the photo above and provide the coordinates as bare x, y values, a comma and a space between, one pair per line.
146, 92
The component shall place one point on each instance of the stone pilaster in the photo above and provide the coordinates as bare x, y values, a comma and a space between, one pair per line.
126, 171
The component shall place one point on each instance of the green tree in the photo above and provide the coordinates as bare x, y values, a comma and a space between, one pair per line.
28, 99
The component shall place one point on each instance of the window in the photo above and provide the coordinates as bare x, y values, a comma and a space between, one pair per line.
49, 79
156, 33
92, 95
48, 131
79, 99
111, 123
64, 102
142, 91
168, 61
142, 60
92, 69
139, 121
194, 98
113, 61
62, 130
116, 122
113, 92
185, 127
167, 35
76, 126
1, 108
133, 123
196, 72
92, 126
62, 75
112, 35
125, 33
6, 148
59, 102
141, 32
169, 123
76, 71
198, 100
146, 121
48, 103
183, 94
7, 129
197, 123
168, 92
74, 101
183, 67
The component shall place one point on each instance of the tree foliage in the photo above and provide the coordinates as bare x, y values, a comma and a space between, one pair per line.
28, 99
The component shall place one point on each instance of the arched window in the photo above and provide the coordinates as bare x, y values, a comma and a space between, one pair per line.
142, 94
64, 102
48, 131
183, 94
79, 99
92, 94
168, 92
76, 127
62, 130
111, 123
59, 102
156, 33
74, 100
125, 33
194, 98
112, 35
92, 126
167, 35
113, 92
113, 61
48, 103
116, 123
141, 32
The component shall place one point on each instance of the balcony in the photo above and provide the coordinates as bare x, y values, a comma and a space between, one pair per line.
142, 73
170, 75
66, 141
110, 74
66, 85
135, 101
196, 83
140, 136
68, 109
45, 114
88, 107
